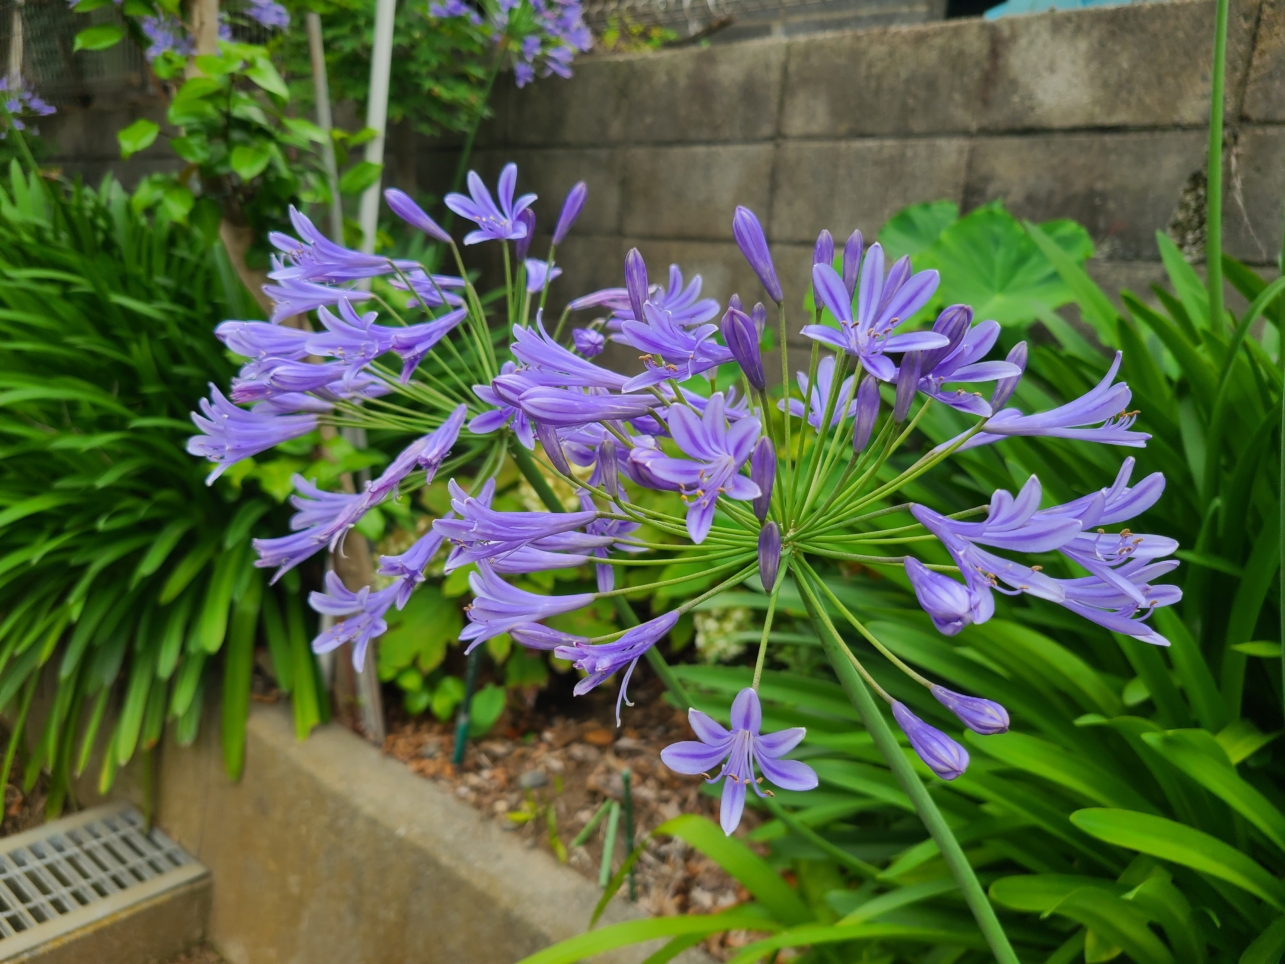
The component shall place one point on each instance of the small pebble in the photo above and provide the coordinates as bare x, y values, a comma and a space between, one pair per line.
429, 750
532, 779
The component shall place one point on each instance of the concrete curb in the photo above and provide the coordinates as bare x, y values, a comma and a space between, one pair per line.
327, 851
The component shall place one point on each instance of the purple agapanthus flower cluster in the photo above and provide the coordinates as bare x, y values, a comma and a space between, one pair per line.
757, 485
268, 13
22, 104
543, 36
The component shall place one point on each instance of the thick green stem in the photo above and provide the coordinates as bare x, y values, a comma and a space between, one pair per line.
1214, 194
886, 742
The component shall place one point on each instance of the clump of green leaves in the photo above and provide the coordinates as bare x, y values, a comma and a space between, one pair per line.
122, 575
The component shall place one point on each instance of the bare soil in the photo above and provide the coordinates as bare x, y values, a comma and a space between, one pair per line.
544, 771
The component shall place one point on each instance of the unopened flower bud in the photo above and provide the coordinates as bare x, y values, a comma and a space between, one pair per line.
981, 716
750, 239
636, 282
742, 340
522, 246
588, 342
769, 555
867, 414
607, 466
763, 474
944, 756
570, 211
852, 252
759, 317
953, 323
735, 302
548, 436
907, 385
401, 204
1005, 387
823, 253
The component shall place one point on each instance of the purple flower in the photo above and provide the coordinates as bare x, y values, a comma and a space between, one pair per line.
636, 281
748, 234
548, 436
365, 611
1100, 415
400, 203
852, 249
230, 434
763, 474
944, 756
769, 555
261, 380
844, 406
823, 253
603, 660
744, 748
522, 245
427, 453
907, 383
549, 363
495, 222
1005, 387
291, 297
881, 307
981, 716
567, 408
165, 35
743, 342
570, 211
268, 13
314, 257
867, 413
258, 339
715, 456
960, 361
500, 414
682, 352
588, 342
482, 533
408, 567
454, 8
538, 274
322, 520
950, 605
498, 607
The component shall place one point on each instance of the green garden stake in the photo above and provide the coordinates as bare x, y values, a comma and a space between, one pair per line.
626, 779
609, 844
462, 717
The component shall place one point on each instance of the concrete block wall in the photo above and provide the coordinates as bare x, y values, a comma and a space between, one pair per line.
1097, 115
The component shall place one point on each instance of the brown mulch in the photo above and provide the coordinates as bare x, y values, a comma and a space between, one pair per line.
22, 811
569, 757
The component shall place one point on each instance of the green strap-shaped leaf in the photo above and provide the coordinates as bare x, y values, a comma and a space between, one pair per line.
1116, 922
1176, 842
813, 934
1061, 766
1260, 570
638, 931
98, 38
1040, 893
212, 624
1189, 663
1201, 757
1163, 903
1095, 306
1268, 946
237, 670
752, 871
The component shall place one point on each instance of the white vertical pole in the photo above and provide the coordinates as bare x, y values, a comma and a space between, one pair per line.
321, 88
381, 62
14, 74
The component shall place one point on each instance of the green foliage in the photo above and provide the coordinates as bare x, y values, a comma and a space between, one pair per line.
440, 68
120, 571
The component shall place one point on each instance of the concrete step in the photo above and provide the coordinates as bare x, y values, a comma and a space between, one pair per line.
96, 888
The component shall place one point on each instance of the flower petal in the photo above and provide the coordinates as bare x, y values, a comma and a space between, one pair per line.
747, 714
778, 744
708, 730
692, 757
788, 774
733, 805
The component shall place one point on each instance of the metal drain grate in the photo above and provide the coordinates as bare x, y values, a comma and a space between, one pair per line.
66, 875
